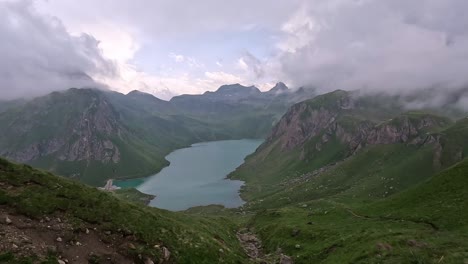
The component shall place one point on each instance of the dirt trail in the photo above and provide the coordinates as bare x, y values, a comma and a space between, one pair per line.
253, 248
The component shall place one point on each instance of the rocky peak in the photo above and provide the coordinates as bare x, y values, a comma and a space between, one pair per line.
279, 88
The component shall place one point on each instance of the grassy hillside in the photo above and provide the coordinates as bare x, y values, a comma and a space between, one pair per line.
426, 224
342, 180
335, 144
37, 195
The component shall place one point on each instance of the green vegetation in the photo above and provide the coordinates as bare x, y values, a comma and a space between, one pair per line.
93, 135
426, 224
341, 179
133, 195
191, 239
372, 187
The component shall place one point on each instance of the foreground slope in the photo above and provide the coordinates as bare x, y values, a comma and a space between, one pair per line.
48, 217
425, 224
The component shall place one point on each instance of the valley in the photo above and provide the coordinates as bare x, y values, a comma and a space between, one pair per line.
234, 132
93, 135
340, 177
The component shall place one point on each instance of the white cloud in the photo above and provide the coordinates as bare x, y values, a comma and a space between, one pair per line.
222, 78
242, 64
384, 45
177, 57
38, 55
390, 45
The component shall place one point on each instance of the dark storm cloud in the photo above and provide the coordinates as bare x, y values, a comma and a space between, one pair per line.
38, 55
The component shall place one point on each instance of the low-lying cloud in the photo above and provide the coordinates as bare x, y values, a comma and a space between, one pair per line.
391, 46
38, 55
378, 45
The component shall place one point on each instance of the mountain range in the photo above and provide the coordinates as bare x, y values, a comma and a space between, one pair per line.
342, 177
93, 135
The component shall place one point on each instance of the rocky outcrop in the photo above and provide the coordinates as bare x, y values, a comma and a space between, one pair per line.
404, 129
338, 116
293, 131
86, 133
320, 117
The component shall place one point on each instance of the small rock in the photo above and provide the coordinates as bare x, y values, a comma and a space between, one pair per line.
61, 261
221, 250
87, 231
47, 219
78, 244
52, 249
297, 246
59, 220
59, 239
14, 246
295, 232
108, 232
131, 246
285, 259
149, 261
157, 246
414, 243
384, 247
166, 253
8, 220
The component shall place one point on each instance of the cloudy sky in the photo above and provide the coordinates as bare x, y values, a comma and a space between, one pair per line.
169, 47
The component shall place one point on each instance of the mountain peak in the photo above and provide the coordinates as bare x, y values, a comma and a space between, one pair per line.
279, 88
139, 93
237, 88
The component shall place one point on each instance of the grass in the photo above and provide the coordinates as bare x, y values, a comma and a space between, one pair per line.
134, 196
426, 224
190, 238
387, 203
143, 128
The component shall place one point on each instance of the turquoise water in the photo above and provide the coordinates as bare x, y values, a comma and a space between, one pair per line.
197, 176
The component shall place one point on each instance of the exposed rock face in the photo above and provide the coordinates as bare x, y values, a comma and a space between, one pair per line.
86, 134
294, 131
338, 116
307, 120
403, 130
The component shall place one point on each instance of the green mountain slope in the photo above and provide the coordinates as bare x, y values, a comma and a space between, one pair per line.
87, 220
93, 135
335, 134
77, 133
426, 224
343, 179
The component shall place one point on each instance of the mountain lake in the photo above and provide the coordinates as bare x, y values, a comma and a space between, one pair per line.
196, 176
